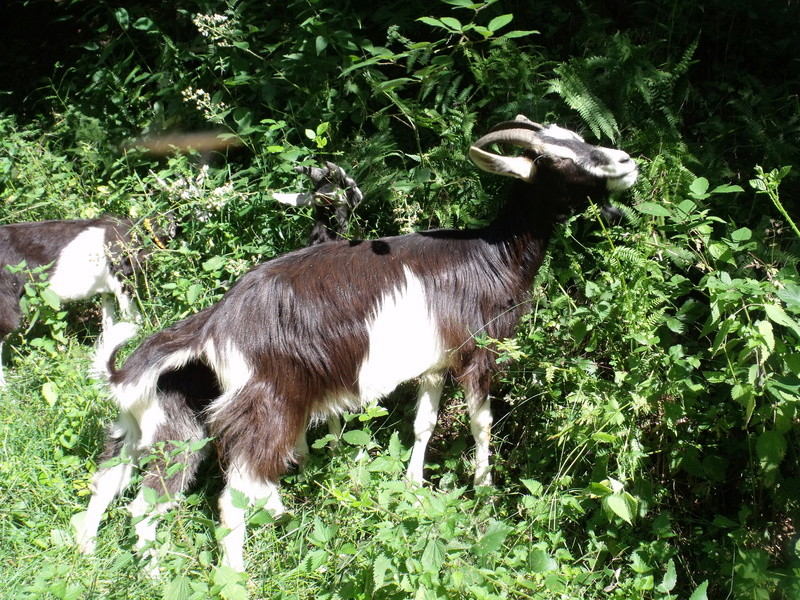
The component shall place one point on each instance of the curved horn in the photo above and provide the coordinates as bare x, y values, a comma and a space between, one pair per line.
521, 132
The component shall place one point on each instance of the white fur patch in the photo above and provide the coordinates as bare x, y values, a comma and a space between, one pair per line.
559, 133
233, 372
81, 270
136, 396
404, 340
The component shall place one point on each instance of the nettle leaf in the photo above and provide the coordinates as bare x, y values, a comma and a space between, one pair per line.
542, 562
178, 589
777, 315
670, 578
357, 437
434, 555
380, 567
651, 208
493, 539
231, 583
771, 448
51, 298
623, 505
791, 297
700, 592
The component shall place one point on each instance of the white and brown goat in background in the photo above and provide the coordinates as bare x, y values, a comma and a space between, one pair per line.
330, 327
88, 257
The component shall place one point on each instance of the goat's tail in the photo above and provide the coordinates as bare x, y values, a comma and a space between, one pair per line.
111, 341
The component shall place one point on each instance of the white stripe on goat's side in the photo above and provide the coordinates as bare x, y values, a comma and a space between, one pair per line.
233, 372
138, 396
404, 341
81, 270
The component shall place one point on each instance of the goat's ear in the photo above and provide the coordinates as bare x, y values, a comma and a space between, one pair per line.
520, 167
301, 199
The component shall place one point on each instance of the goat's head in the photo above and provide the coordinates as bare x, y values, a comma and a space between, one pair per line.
558, 160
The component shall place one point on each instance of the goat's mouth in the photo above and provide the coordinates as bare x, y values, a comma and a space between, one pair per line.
622, 182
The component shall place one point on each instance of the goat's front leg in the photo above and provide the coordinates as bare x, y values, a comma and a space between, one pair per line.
430, 393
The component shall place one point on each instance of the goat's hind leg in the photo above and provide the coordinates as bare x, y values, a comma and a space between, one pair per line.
233, 516
109, 481
171, 465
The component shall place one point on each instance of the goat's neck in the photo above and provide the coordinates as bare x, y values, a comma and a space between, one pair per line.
523, 229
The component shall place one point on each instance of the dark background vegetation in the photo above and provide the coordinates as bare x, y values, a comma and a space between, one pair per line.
647, 439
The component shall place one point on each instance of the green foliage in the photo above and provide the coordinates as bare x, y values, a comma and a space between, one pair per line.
646, 441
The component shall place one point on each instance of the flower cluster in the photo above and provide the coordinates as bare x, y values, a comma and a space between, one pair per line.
193, 192
214, 111
217, 28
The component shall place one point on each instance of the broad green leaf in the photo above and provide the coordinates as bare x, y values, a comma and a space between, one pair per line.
51, 298
356, 437
380, 566
791, 296
771, 448
321, 44
651, 208
452, 23
215, 263
518, 33
741, 235
777, 315
433, 556
727, 189
700, 592
122, 17
178, 589
670, 578
50, 393
765, 329
542, 562
143, 24
699, 187
493, 539
622, 505
432, 22
499, 22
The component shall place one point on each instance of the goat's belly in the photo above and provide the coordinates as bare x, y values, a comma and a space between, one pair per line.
81, 270
404, 341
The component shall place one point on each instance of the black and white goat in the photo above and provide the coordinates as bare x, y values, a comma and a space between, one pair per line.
88, 257
329, 327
